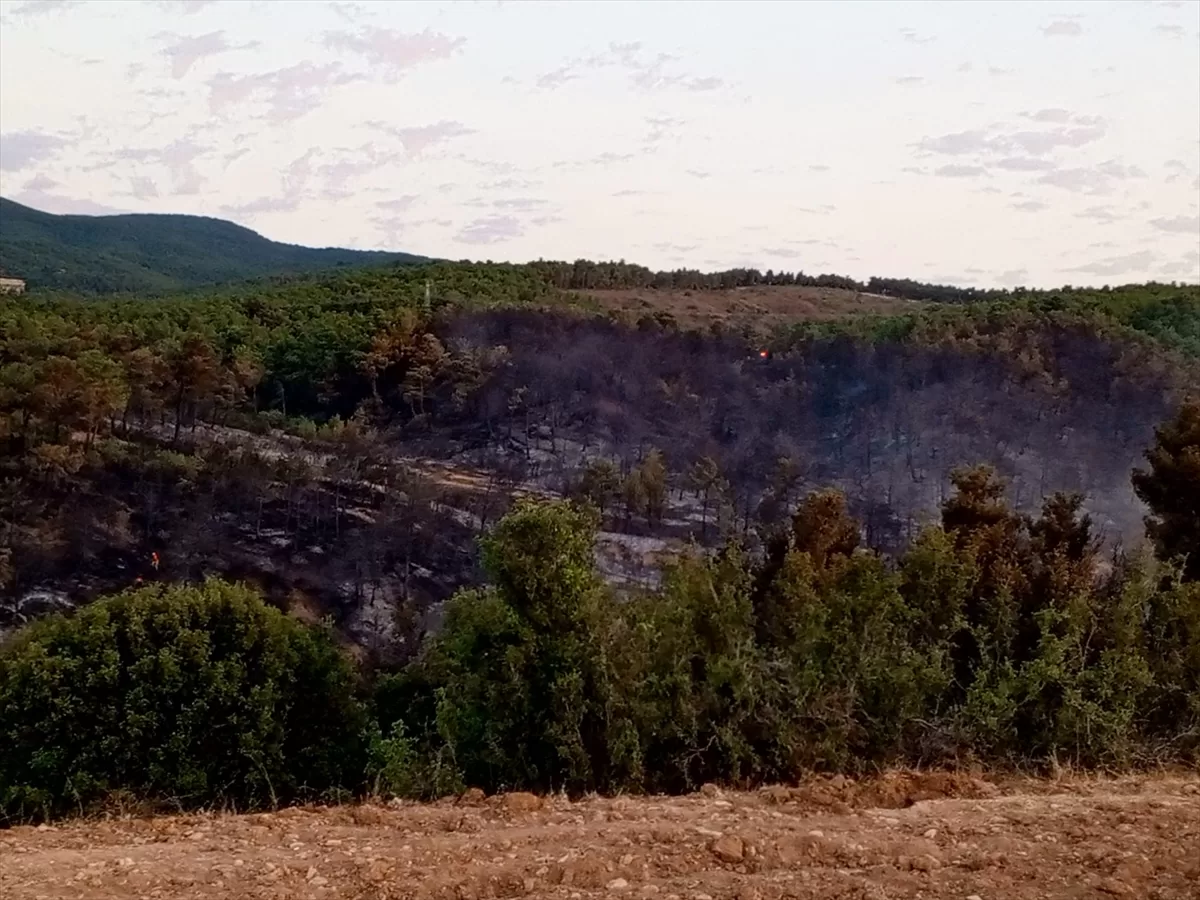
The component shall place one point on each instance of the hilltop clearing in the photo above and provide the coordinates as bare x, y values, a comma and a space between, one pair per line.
901, 837
761, 306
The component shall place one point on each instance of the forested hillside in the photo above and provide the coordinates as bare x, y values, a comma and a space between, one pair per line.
151, 253
124, 419
806, 542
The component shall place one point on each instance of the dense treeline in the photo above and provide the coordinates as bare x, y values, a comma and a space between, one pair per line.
994, 637
586, 274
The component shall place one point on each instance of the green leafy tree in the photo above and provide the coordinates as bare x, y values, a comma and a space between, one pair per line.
1171, 488
520, 686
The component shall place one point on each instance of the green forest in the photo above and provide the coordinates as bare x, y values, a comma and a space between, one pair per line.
893, 536
150, 253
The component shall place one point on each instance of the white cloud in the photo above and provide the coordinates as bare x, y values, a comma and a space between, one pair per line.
1063, 28
395, 52
1178, 224
22, 149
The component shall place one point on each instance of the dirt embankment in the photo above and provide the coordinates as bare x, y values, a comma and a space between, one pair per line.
902, 836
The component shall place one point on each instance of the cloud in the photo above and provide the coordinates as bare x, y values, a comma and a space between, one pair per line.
1030, 206
1081, 131
908, 79
295, 181
958, 143
818, 167
662, 127
648, 73
1023, 164
1178, 224
607, 158
351, 164
1104, 215
289, 92
490, 230
417, 138
958, 171
399, 204
519, 203
699, 173
189, 50
1065, 27
143, 188
395, 52
511, 184
187, 7
1038, 143
1053, 116
556, 78
965, 66
1013, 277
179, 157
40, 182
1174, 31
1094, 180
233, 156
350, 12
669, 247
32, 9
21, 149
913, 37
1140, 261
37, 193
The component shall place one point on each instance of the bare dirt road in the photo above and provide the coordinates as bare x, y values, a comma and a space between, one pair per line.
933, 837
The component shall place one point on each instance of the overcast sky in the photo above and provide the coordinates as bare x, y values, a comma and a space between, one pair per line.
1036, 143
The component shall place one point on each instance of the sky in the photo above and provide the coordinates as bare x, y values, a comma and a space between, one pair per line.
988, 144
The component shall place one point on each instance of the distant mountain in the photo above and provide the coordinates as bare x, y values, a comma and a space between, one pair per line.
152, 253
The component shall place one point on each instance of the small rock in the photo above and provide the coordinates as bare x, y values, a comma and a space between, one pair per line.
521, 802
1191, 789
926, 863
710, 790
730, 849
472, 796
319, 881
931, 833
974, 897
618, 884
1115, 887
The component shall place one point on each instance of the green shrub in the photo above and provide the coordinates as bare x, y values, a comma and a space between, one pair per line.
515, 668
190, 695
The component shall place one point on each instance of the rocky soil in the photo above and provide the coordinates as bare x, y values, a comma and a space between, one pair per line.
934, 837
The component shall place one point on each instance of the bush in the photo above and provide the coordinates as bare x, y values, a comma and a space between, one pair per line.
515, 670
188, 695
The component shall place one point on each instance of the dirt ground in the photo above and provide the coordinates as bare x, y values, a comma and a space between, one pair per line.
934, 837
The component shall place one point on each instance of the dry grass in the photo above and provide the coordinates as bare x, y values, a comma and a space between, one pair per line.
766, 305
